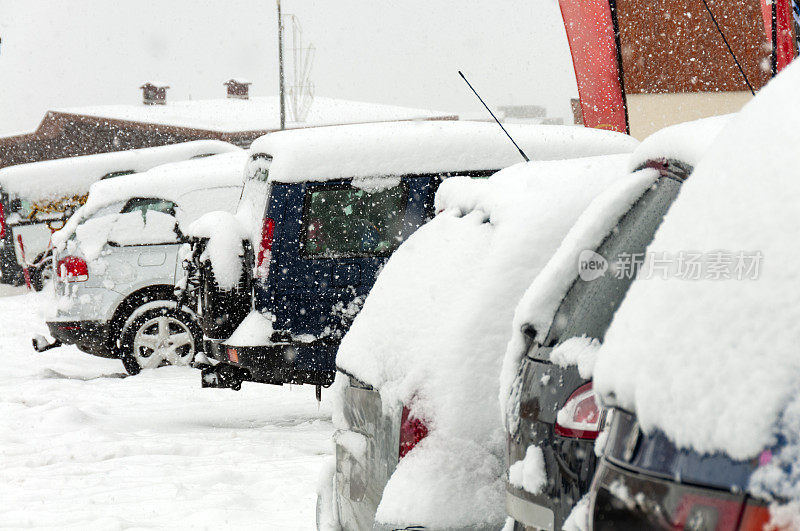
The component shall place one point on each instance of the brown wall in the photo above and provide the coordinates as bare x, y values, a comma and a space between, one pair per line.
63, 135
673, 46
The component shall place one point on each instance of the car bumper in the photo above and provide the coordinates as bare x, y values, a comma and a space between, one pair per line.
521, 507
278, 364
89, 336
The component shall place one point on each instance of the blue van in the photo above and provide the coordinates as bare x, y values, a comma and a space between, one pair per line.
323, 209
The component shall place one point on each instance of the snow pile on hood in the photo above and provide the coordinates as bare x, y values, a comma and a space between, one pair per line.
686, 142
399, 148
541, 300
55, 179
713, 363
169, 181
434, 327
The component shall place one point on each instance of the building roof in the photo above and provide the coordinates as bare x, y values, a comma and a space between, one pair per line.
259, 113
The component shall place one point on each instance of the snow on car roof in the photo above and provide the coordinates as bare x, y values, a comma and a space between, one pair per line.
168, 181
685, 142
54, 179
400, 148
434, 328
712, 361
254, 114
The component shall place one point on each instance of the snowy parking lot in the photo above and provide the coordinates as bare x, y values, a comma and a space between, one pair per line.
84, 446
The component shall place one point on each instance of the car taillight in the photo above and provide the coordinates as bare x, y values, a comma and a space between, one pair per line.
73, 269
580, 416
2, 222
755, 518
412, 431
265, 248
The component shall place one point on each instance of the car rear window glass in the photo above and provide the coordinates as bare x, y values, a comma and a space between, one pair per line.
143, 204
342, 221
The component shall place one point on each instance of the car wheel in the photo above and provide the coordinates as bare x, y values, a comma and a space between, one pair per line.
159, 334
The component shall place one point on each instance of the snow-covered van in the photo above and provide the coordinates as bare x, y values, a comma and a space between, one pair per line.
37, 198
416, 413
701, 364
323, 209
117, 259
551, 417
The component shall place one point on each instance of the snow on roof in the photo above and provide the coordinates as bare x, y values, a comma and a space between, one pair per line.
399, 148
541, 300
168, 181
254, 114
434, 328
686, 142
713, 363
54, 179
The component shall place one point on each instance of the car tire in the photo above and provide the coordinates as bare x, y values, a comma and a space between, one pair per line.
159, 333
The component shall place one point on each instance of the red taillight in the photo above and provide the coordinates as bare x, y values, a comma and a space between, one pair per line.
412, 431
73, 269
265, 248
2, 222
755, 518
580, 416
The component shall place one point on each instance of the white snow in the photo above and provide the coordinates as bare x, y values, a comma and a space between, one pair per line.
398, 148
224, 248
254, 330
713, 363
55, 179
686, 142
540, 302
257, 113
578, 519
178, 182
528, 473
433, 330
579, 351
84, 447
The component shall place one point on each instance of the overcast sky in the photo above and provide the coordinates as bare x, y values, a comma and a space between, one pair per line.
57, 54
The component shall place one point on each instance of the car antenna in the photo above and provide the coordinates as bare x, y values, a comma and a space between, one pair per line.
524, 156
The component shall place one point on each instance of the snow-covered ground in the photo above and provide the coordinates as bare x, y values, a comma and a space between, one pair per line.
83, 446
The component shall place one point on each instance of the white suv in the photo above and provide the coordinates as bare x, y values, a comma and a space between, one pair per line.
118, 258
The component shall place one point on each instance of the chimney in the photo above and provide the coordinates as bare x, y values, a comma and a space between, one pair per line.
154, 93
238, 88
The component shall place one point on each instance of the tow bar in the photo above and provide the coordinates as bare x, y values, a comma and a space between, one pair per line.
42, 344
223, 376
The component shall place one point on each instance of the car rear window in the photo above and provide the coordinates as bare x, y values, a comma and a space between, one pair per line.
143, 204
341, 220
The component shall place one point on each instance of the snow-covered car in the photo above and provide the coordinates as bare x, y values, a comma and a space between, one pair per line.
419, 439
37, 198
323, 209
551, 417
118, 258
701, 363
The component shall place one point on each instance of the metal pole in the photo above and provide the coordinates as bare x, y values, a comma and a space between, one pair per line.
774, 59
281, 89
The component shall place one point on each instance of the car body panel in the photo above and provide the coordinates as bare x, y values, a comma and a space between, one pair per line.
543, 388
361, 476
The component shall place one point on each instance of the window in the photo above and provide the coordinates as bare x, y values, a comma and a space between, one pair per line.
345, 221
143, 204
117, 174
